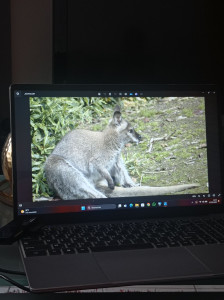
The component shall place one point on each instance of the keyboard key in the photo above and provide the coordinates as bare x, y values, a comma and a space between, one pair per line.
56, 246
54, 251
122, 247
198, 242
185, 243
210, 241
30, 247
32, 243
82, 250
173, 244
36, 253
68, 251
160, 245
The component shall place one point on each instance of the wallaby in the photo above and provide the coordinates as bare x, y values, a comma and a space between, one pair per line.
84, 160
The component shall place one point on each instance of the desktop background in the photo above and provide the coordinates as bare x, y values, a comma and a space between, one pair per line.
173, 148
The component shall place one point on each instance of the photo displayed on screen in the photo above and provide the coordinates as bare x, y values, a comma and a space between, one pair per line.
86, 148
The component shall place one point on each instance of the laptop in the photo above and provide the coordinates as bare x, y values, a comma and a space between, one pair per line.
120, 184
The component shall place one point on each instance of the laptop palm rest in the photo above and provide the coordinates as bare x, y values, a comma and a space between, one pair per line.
211, 255
111, 268
150, 264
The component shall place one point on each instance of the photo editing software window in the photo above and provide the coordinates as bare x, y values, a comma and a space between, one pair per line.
101, 150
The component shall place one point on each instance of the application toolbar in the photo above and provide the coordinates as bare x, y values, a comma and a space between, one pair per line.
119, 94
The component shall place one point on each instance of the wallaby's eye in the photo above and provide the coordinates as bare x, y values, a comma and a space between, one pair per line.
131, 131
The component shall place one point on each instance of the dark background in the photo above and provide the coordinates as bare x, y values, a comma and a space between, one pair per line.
161, 42
5, 69
109, 42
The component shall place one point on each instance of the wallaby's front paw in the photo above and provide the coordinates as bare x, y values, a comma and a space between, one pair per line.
111, 186
128, 185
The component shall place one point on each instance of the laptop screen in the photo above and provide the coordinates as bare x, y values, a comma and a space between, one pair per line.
91, 148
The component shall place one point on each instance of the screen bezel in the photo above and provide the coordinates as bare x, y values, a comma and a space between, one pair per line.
115, 214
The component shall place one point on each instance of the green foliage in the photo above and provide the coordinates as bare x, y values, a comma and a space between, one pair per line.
52, 118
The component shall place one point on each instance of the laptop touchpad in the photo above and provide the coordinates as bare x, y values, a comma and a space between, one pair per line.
149, 264
211, 255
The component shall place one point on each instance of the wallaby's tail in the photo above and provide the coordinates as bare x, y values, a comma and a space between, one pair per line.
147, 190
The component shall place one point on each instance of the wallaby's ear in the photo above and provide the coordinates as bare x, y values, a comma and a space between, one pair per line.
116, 121
117, 118
117, 108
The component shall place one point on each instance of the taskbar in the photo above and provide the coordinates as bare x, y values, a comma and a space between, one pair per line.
199, 201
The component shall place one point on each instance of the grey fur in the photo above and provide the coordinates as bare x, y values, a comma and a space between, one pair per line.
83, 158
88, 164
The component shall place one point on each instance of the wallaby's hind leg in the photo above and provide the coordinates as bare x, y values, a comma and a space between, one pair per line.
67, 182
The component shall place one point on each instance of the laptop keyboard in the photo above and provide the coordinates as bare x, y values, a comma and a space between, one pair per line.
85, 238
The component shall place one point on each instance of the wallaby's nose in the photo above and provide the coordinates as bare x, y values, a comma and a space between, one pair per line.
139, 137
